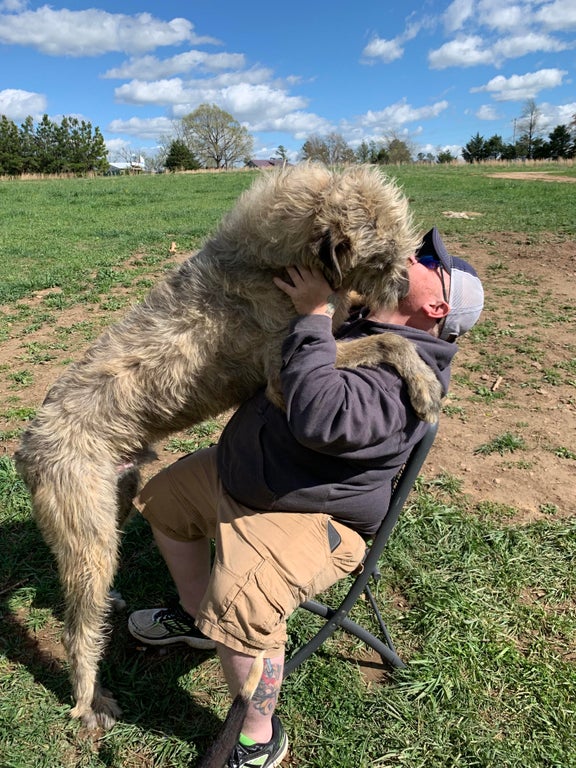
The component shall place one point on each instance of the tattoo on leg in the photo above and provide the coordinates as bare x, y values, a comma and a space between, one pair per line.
266, 694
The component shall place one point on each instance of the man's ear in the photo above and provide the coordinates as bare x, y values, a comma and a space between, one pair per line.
436, 309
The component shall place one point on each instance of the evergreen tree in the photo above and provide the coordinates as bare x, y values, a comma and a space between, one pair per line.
180, 157
10, 149
48, 142
70, 147
476, 150
445, 156
28, 146
494, 147
560, 143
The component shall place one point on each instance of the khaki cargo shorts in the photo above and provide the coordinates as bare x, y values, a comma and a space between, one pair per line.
266, 563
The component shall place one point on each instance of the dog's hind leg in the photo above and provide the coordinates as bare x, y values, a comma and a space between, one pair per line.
80, 526
128, 487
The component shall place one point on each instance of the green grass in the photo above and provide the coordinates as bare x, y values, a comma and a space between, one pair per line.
486, 621
505, 443
538, 207
68, 233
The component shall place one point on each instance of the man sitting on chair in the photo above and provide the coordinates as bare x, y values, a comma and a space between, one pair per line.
290, 497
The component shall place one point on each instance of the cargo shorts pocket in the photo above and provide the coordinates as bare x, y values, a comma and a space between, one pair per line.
253, 609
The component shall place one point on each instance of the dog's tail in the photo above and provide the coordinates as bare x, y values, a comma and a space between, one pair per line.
227, 738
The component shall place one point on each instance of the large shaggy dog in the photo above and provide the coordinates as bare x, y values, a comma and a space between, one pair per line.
202, 342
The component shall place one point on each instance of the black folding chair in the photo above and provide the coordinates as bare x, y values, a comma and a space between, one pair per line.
337, 618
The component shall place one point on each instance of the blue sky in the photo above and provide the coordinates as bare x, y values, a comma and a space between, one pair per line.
431, 72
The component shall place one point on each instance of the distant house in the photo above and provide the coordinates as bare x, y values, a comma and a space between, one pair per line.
273, 162
134, 165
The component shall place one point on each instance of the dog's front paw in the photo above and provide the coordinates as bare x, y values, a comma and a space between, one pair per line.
103, 713
425, 394
391, 349
117, 602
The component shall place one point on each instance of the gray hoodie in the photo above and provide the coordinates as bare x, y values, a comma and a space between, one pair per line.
344, 435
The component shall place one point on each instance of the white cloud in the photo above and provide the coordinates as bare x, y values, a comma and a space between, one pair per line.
557, 114
300, 124
385, 50
93, 32
521, 87
463, 52
17, 104
117, 148
254, 104
144, 128
401, 112
503, 16
530, 42
457, 13
259, 103
152, 68
254, 76
487, 112
391, 118
390, 50
14, 6
559, 15
166, 91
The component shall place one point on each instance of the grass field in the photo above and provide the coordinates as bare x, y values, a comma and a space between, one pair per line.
482, 607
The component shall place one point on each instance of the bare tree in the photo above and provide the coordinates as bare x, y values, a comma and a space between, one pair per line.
215, 137
330, 150
529, 126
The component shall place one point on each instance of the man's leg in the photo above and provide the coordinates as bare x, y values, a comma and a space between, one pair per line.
266, 564
189, 566
258, 721
180, 505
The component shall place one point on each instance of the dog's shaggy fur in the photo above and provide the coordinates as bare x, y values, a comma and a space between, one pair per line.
201, 343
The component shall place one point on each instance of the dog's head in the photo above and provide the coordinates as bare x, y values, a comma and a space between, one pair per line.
354, 223
363, 235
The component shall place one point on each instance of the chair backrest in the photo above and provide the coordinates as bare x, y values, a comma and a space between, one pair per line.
403, 484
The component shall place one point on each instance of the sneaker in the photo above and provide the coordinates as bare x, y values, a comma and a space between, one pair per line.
261, 755
164, 626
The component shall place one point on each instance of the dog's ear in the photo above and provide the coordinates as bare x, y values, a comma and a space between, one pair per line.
330, 253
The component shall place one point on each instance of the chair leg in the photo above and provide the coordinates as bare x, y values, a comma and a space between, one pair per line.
336, 620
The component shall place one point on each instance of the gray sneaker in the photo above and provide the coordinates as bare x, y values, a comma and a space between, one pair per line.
165, 626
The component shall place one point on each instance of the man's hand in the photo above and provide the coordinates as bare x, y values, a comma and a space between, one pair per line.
310, 292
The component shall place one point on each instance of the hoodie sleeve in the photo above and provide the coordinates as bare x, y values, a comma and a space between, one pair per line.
344, 412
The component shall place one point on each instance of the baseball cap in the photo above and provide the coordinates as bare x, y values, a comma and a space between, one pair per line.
466, 297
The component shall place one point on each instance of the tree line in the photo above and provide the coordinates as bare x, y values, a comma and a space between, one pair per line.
71, 146
209, 137
529, 145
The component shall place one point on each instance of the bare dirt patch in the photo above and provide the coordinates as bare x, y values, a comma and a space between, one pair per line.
533, 176
514, 375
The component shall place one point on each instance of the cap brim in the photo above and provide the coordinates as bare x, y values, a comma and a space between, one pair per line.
433, 245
